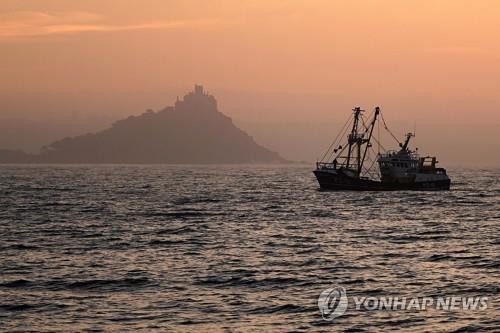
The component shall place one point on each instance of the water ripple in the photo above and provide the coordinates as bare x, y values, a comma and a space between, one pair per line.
236, 248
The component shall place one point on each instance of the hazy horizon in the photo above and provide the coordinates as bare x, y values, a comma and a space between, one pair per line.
288, 74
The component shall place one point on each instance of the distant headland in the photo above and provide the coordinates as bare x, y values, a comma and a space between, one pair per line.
192, 131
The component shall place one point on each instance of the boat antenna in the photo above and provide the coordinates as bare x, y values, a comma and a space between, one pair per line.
404, 146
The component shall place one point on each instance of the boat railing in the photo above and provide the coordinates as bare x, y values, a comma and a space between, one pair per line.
397, 153
326, 165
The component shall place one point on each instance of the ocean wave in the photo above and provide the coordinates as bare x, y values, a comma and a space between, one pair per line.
110, 284
15, 284
285, 308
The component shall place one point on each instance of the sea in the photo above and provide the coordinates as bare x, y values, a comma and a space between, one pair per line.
158, 248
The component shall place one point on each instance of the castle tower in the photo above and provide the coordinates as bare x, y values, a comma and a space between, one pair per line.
198, 89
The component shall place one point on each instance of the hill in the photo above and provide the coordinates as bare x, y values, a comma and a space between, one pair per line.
191, 131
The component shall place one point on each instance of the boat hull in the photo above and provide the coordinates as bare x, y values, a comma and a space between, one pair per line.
332, 180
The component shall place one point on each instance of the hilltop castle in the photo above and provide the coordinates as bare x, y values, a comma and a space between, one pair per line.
197, 100
191, 132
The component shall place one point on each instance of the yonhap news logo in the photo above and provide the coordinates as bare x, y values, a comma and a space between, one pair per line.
334, 302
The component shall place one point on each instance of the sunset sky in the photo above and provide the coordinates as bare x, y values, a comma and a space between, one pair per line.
288, 72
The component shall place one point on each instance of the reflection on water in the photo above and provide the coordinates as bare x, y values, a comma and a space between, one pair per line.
185, 248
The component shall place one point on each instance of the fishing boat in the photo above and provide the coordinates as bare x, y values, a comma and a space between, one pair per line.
351, 164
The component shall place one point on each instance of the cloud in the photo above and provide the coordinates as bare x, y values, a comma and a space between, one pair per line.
31, 24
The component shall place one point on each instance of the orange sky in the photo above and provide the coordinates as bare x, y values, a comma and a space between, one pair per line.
286, 71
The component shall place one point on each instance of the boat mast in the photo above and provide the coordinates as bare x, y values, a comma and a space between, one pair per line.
358, 156
353, 137
372, 126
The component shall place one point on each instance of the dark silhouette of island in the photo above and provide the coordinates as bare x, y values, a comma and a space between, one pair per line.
191, 131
